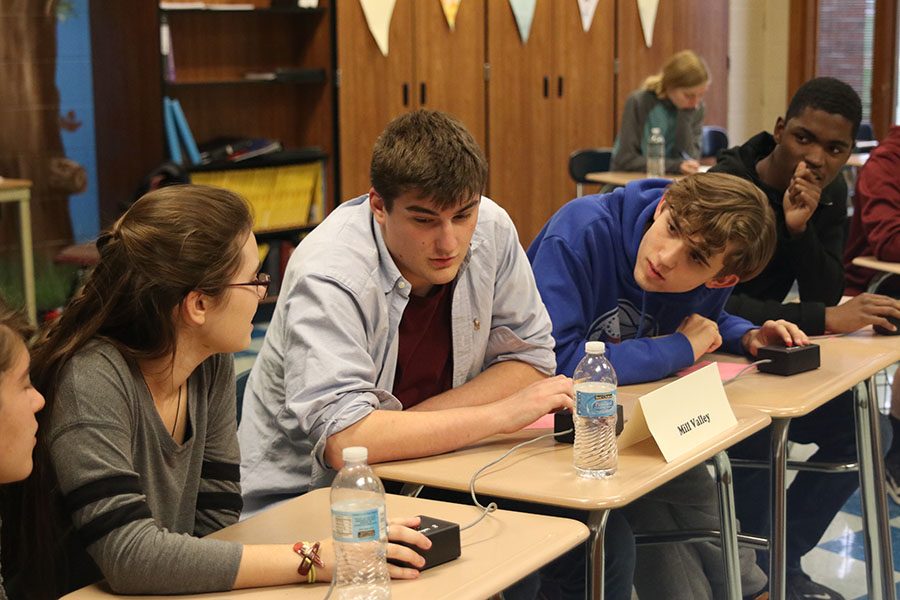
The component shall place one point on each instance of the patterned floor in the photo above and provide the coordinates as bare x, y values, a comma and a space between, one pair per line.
837, 562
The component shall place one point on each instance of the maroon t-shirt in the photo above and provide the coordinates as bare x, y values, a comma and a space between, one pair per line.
425, 353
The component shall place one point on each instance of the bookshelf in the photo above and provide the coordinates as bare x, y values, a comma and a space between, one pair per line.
218, 58
255, 71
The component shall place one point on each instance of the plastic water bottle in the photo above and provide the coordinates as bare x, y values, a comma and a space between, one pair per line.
596, 453
359, 528
656, 153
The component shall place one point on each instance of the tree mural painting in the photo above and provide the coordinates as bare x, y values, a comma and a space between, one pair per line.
30, 142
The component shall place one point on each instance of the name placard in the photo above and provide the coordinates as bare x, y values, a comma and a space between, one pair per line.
687, 412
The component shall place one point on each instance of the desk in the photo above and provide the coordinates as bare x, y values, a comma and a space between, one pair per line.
846, 362
616, 177
19, 190
887, 269
641, 469
496, 553
857, 160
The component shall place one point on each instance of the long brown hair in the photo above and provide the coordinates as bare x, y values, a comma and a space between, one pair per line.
170, 242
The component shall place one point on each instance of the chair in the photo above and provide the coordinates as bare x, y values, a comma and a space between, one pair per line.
588, 160
713, 141
865, 133
865, 138
240, 385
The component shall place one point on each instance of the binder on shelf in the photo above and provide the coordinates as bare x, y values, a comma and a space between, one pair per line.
283, 196
171, 133
184, 131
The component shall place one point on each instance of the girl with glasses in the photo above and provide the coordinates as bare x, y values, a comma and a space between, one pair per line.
139, 437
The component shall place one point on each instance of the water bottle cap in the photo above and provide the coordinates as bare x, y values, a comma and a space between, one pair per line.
655, 130
355, 454
595, 347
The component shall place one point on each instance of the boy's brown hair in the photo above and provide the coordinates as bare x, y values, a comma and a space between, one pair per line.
430, 154
725, 212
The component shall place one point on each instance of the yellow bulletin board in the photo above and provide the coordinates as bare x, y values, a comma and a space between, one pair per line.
282, 197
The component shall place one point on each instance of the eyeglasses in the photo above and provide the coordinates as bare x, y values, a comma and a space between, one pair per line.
261, 283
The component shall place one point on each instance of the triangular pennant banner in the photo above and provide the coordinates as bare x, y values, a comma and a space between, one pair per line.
451, 7
647, 10
378, 18
523, 10
587, 8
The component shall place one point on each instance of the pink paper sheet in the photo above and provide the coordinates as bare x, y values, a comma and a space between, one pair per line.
727, 370
545, 422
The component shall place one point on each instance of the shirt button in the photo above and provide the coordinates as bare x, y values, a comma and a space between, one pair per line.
401, 285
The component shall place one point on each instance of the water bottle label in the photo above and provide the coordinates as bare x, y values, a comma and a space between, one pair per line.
595, 404
357, 526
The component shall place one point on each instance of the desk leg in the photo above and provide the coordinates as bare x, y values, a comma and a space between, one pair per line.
876, 528
27, 257
777, 509
593, 564
728, 526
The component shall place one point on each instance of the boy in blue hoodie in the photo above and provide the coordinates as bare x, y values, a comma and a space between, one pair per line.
648, 269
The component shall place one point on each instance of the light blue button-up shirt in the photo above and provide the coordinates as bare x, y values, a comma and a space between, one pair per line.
330, 353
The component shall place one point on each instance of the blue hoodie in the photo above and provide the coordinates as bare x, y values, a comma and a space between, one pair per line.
583, 261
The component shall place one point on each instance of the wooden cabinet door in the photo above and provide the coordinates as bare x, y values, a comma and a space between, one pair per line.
519, 117
449, 65
371, 91
699, 25
584, 79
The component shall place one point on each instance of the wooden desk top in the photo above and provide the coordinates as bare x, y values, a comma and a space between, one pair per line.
858, 159
870, 262
14, 184
846, 361
496, 553
616, 177
543, 472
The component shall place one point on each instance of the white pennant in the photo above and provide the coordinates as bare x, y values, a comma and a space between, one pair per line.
450, 7
647, 10
523, 10
587, 9
378, 18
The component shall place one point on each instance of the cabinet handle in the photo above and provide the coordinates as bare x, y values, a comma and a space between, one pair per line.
559, 87
405, 94
546, 87
422, 93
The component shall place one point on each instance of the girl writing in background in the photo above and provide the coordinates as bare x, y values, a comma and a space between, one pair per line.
673, 101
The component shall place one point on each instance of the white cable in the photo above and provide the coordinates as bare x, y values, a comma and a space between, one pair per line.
486, 509
493, 505
745, 369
